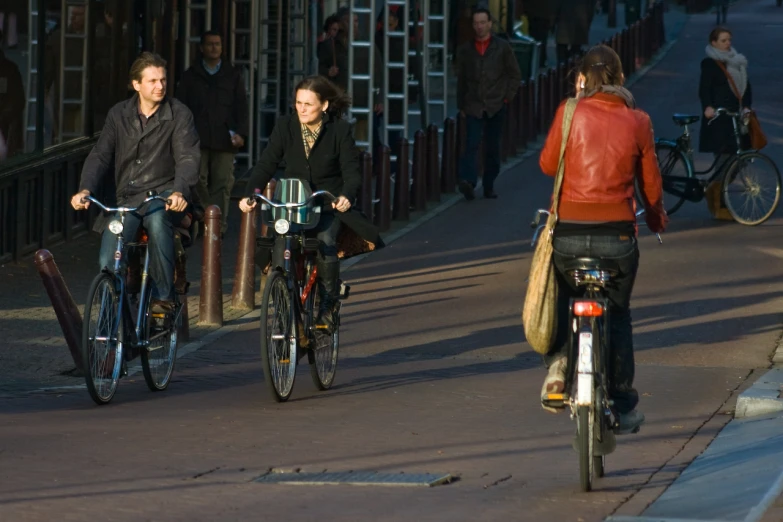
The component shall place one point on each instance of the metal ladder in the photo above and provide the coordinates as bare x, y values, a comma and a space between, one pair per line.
362, 8
80, 102
268, 81
244, 43
31, 109
403, 15
298, 45
192, 6
435, 61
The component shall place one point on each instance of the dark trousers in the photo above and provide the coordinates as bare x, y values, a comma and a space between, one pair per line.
565, 51
539, 31
326, 232
492, 129
160, 230
620, 359
721, 10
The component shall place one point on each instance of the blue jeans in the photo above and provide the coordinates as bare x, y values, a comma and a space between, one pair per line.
492, 129
160, 230
624, 251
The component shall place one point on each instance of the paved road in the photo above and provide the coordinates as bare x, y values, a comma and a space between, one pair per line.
435, 375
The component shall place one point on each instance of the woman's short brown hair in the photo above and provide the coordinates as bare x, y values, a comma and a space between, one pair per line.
715, 33
601, 66
145, 59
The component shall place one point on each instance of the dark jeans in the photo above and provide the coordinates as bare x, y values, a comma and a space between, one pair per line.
625, 252
492, 129
160, 230
326, 232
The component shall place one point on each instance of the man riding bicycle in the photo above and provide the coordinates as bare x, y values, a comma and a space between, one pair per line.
317, 146
153, 144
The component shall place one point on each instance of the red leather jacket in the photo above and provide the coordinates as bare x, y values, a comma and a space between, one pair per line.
609, 146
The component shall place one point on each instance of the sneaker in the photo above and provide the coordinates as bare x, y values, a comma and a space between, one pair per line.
554, 382
467, 190
629, 422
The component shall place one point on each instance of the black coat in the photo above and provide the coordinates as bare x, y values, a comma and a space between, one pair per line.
218, 103
485, 83
715, 91
166, 156
333, 166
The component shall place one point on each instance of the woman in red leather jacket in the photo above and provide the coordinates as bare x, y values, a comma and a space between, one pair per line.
610, 145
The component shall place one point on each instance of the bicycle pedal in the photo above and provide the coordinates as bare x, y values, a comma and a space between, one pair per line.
345, 291
159, 316
555, 400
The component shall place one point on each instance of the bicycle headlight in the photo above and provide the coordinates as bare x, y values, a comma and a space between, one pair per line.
115, 227
282, 226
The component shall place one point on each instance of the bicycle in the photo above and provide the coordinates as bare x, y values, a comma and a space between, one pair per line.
741, 174
108, 342
586, 391
292, 293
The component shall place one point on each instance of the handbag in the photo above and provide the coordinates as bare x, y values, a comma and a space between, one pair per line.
758, 140
539, 312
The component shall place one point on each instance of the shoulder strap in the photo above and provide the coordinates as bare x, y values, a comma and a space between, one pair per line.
568, 117
731, 80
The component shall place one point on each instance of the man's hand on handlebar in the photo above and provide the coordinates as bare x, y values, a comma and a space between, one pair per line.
78, 201
176, 202
341, 204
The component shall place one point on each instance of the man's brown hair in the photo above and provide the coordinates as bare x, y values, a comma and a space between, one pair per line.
145, 59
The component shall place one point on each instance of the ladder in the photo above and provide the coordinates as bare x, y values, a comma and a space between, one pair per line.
416, 55
80, 68
269, 89
400, 121
244, 43
357, 81
435, 61
192, 7
299, 45
31, 108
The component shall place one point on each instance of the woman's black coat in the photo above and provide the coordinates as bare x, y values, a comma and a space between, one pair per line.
715, 91
333, 165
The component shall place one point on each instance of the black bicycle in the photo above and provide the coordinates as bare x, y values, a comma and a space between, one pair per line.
119, 324
750, 180
293, 293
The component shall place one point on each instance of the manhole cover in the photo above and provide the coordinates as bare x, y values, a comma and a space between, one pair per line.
356, 478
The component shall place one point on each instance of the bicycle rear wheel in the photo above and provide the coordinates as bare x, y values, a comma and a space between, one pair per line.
584, 433
162, 332
671, 162
751, 188
278, 339
102, 339
323, 356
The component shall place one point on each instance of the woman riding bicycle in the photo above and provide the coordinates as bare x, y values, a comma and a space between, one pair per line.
610, 145
317, 146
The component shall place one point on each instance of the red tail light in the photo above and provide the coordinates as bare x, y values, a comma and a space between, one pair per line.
588, 309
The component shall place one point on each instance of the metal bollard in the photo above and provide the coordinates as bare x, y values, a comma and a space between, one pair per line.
402, 186
210, 306
419, 171
532, 111
64, 307
365, 196
448, 177
243, 294
553, 101
461, 138
184, 329
433, 164
383, 192
522, 119
543, 101
269, 193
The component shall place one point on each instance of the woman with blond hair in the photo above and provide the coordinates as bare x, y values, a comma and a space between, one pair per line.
610, 145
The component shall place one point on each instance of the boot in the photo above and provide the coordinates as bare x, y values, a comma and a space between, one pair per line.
329, 274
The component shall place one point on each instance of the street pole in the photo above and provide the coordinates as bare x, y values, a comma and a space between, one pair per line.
612, 19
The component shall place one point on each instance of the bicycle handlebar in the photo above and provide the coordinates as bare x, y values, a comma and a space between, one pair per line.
536, 224
124, 209
721, 111
317, 194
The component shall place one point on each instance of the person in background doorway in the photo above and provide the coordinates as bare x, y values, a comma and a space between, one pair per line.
488, 77
215, 92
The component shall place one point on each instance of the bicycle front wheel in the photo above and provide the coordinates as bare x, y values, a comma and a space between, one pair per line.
158, 358
102, 339
278, 339
751, 188
323, 357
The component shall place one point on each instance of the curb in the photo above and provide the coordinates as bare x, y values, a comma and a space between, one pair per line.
763, 397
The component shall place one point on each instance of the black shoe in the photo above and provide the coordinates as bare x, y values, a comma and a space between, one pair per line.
490, 194
467, 190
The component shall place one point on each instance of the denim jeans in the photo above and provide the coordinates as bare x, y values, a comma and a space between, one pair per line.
492, 128
624, 251
326, 232
160, 230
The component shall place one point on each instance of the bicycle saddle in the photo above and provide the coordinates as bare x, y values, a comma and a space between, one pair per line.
685, 119
587, 264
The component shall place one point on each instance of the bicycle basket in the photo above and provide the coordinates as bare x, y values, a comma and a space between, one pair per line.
291, 190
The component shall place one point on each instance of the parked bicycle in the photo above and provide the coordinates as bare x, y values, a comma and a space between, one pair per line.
118, 321
292, 294
750, 180
586, 390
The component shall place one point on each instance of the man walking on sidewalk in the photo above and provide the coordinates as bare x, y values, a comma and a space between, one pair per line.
487, 80
215, 93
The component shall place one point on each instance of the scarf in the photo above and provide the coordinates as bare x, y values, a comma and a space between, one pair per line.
736, 64
615, 90
310, 137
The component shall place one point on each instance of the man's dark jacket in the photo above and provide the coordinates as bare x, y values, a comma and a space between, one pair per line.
486, 83
166, 156
333, 165
218, 102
